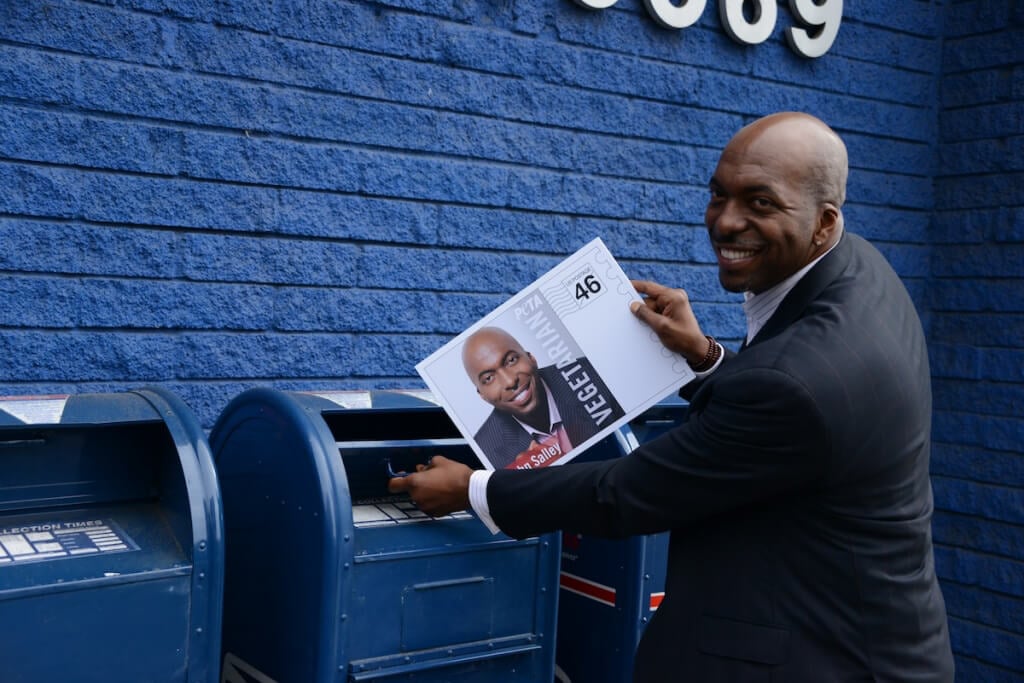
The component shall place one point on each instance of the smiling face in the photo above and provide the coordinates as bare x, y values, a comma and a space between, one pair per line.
775, 199
504, 374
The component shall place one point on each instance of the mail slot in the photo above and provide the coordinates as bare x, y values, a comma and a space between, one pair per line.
330, 577
611, 587
111, 541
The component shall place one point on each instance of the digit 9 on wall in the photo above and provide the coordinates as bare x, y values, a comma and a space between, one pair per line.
751, 21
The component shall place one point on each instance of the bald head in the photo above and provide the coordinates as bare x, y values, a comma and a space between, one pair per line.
505, 375
776, 198
478, 344
805, 143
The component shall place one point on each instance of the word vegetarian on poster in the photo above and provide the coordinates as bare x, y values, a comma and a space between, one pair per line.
554, 369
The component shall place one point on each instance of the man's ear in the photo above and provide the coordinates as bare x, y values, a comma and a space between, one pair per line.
829, 222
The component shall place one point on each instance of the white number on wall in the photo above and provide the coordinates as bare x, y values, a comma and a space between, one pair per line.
760, 26
671, 15
596, 4
822, 17
818, 19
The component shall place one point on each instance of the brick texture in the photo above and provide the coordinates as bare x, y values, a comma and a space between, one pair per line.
976, 326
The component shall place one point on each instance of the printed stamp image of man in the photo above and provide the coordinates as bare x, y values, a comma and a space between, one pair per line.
540, 414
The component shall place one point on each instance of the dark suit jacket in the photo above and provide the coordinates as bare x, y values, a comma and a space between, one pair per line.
797, 494
502, 438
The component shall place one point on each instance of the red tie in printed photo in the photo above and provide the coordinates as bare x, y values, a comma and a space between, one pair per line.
544, 450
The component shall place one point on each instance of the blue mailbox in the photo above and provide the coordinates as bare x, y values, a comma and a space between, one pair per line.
111, 541
611, 587
330, 577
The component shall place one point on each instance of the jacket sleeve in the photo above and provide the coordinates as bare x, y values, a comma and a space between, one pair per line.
753, 435
687, 391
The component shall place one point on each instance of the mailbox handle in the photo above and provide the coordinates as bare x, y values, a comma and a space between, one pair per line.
377, 674
391, 470
449, 582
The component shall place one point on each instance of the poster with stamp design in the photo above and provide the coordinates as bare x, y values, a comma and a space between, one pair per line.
556, 368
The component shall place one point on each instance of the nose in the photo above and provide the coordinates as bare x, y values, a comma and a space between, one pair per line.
508, 378
725, 219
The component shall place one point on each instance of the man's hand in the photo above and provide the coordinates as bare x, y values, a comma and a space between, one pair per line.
667, 311
440, 488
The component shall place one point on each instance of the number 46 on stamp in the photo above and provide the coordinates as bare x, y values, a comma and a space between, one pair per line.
584, 285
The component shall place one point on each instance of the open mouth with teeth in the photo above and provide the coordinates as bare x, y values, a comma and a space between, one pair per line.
523, 396
734, 254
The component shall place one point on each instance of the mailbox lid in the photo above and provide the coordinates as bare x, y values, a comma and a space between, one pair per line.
23, 411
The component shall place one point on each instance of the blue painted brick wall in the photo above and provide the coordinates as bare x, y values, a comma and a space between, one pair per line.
977, 324
317, 194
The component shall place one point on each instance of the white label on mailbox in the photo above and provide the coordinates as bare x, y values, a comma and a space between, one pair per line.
393, 513
35, 409
348, 399
421, 394
51, 539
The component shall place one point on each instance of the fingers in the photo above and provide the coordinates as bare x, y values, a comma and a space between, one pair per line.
668, 313
645, 313
648, 309
439, 488
659, 301
398, 484
648, 288
659, 297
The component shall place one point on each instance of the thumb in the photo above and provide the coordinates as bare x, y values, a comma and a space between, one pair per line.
645, 313
398, 484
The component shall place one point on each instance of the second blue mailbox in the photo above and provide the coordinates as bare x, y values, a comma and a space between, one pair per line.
329, 577
612, 587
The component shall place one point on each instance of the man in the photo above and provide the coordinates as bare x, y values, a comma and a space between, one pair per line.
540, 414
796, 489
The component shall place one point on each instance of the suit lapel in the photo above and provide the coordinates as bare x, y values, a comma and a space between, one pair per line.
807, 289
573, 418
513, 435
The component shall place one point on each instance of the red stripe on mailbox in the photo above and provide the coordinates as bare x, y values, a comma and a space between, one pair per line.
656, 599
588, 589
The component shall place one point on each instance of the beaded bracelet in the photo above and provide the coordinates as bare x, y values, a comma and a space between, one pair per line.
710, 358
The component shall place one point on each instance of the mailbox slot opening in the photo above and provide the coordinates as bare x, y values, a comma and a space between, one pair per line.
372, 441
93, 502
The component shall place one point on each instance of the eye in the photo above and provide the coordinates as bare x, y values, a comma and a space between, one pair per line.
762, 203
715, 195
487, 378
511, 359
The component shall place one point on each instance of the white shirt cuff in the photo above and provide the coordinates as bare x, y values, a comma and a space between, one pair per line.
478, 498
721, 357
